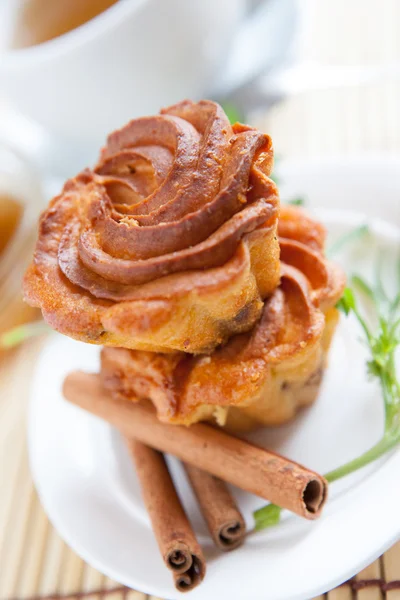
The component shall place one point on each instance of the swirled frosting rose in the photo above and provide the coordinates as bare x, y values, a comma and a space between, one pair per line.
261, 377
169, 243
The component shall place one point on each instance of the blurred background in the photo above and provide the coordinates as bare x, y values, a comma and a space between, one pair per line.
361, 115
322, 77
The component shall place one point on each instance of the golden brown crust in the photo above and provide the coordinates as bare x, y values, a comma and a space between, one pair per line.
262, 376
295, 224
175, 214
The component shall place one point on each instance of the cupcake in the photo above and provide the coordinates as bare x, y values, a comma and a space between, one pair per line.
211, 301
169, 244
257, 378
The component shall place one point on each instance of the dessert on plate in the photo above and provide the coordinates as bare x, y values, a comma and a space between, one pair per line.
212, 303
170, 255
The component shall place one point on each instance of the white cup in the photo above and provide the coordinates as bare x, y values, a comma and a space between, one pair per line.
130, 60
134, 58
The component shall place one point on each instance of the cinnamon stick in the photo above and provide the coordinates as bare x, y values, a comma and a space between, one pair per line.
224, 520
175, 537
245, 465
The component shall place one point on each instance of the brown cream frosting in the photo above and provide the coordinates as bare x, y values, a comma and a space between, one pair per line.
178, 209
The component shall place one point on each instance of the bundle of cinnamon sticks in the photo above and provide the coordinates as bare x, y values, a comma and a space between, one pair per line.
210, 457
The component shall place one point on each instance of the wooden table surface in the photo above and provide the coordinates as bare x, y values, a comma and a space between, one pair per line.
352, 120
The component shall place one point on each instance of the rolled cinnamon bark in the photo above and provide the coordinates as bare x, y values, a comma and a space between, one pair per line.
245, 465
224, 520
175, 537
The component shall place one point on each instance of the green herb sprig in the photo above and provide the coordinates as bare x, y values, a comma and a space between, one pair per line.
233, 113
21, 333
354, 235
297, 201
382, 341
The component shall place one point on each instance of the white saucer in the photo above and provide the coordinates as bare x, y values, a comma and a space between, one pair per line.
89, 489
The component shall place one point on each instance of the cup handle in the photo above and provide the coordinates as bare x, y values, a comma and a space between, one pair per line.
262, 42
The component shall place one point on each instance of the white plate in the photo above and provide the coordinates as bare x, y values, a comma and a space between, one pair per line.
90, 492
